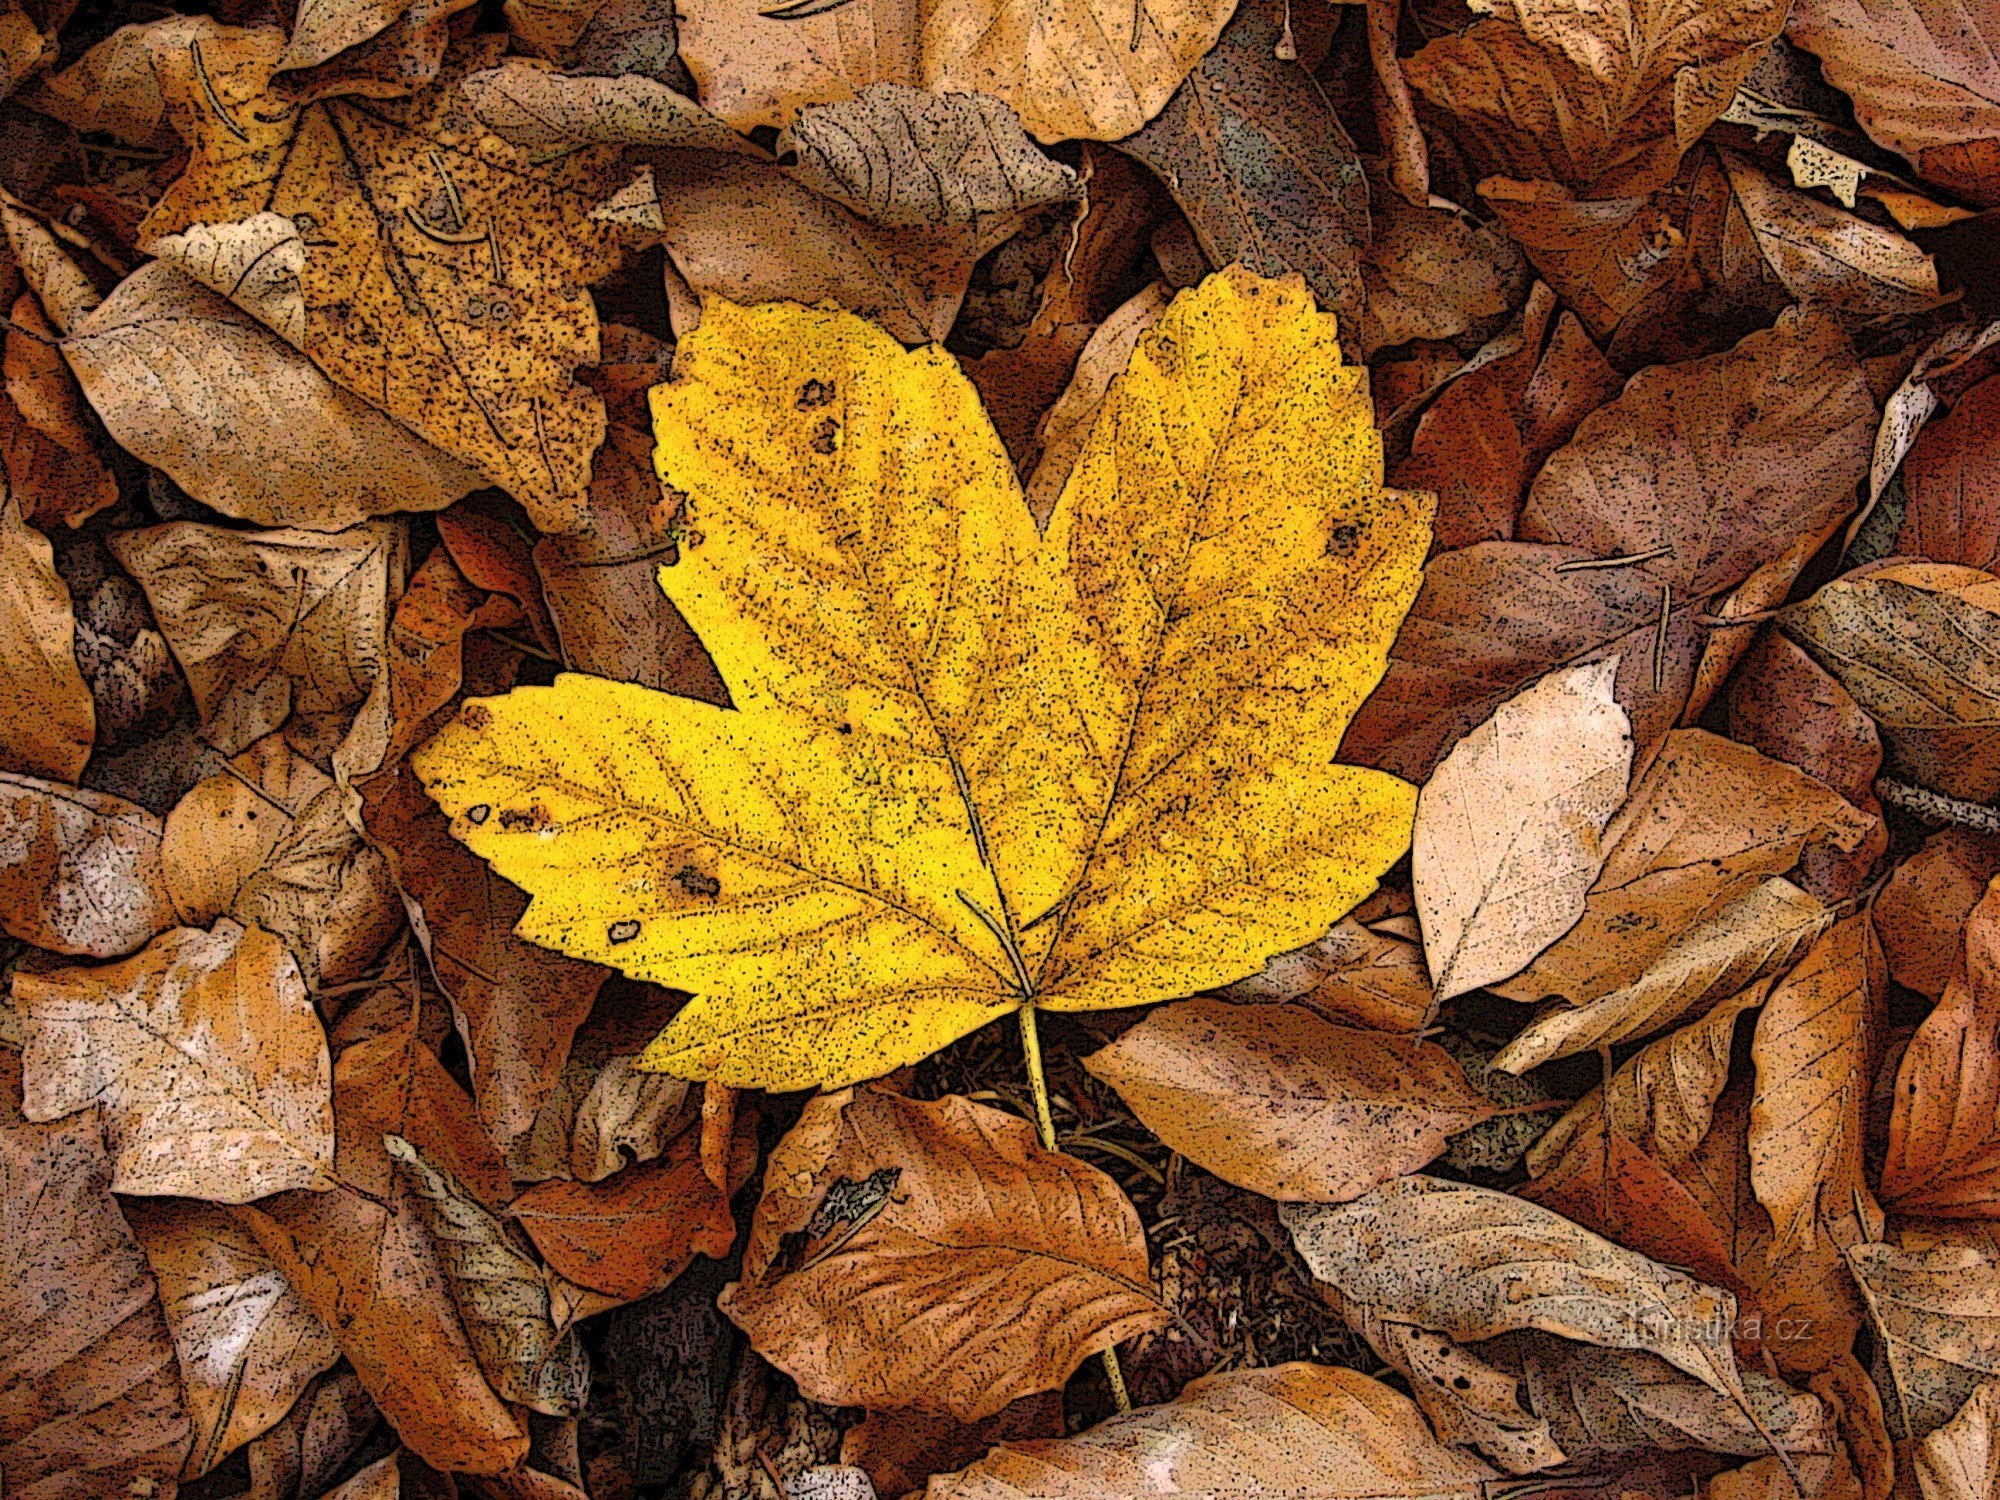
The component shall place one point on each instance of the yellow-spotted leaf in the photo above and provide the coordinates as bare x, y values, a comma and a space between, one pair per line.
970, 765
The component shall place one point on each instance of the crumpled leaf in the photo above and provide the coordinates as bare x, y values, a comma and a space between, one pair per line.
272, 624
933, 1255
225, 828
1084, 68
80, 871
1924, 78
1961, 1460
1921, 912
1509, 828
205, 1053
1934, 1313
1918, 645
1822, 254
1283, 1430
443, 272
323, 890
1433, 274
93, 1399
878, 869
499, 1291
1261, 165
242, 421
47, 721
1276, 1099
248, 1347
49, 444
1602, 100
1354, 976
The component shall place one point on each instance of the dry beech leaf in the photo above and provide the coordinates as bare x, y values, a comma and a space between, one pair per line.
1279, 1100
1508, 831
1934, 1313
269, 624
48, 439
1918, 645
325, 892
442, 276
1433, 274
1472, 1263
860, 933
901, 1450
1924, 80
1261, 165
632, 1233
1821, 254
1354, 976
1961, 1459
1951, 484
94, 1401
248, 1346
369, 1268
80, 871
1606, 257
1082, 68
1284, 1430
1604, 100
1829, 1477
163, 359
1920, 914
224, 828
499, 1289
1944, 1133
933, 1255
311, 1445
206, 1054
47, 721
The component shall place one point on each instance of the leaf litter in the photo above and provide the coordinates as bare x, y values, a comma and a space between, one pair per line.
999, 748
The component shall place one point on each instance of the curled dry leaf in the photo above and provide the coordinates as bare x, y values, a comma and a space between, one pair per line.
901, 1450
1065, 427
1933, 1311
272, 624
1951, 485
326, 893
49, 443
1944, 1132
933, 1255
1508, 830
1918, 645
1825, 255
1472, 1263
1288, 1429
164, 358
94, 1402
1279, 1100
1921, 913
1082, 68
314, 1441
80, 871
1961, 1459
205, 1053
47, 720
1075, 785
248, 1347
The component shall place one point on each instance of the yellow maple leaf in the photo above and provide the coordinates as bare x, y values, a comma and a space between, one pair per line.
970, 766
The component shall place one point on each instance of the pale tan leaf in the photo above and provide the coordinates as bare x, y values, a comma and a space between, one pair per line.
206, 1054
80, 871
47, 721
326, 892
1961, 1460
248, 1346
1279, 1100
1833, 258
1937, 1313
1287, 1430
1509, 826
1354, 976
194, 386
224, 828
933, 1255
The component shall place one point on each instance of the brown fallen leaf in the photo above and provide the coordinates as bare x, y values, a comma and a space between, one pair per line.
1831, 1477
1921, 912
206, 1055
48, 439
462, 314
1918, 645
631, 1234
1509, 828
1085, 68
1354, 976
1944, 1132
248, 1346
1604, 101
502, 1297
1433, 274
80, 871
1066, 425
163, 356
47, 720
268, 625
1961, 1459
902, 1450
304, 1452
224, 829
1924, 82
1934, 1313
1606, 257
1952, 498
1283, 1102
999, 1266
1480, 444
1285, 1430
362, 1259
1472, 1263
1261, 165
94, 1400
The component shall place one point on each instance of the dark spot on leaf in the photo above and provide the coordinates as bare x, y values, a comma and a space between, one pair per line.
695, 883
518, 820
815, 393
1344, 540
475, 716
826, 437
623, 932
1167, 356
476, 816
